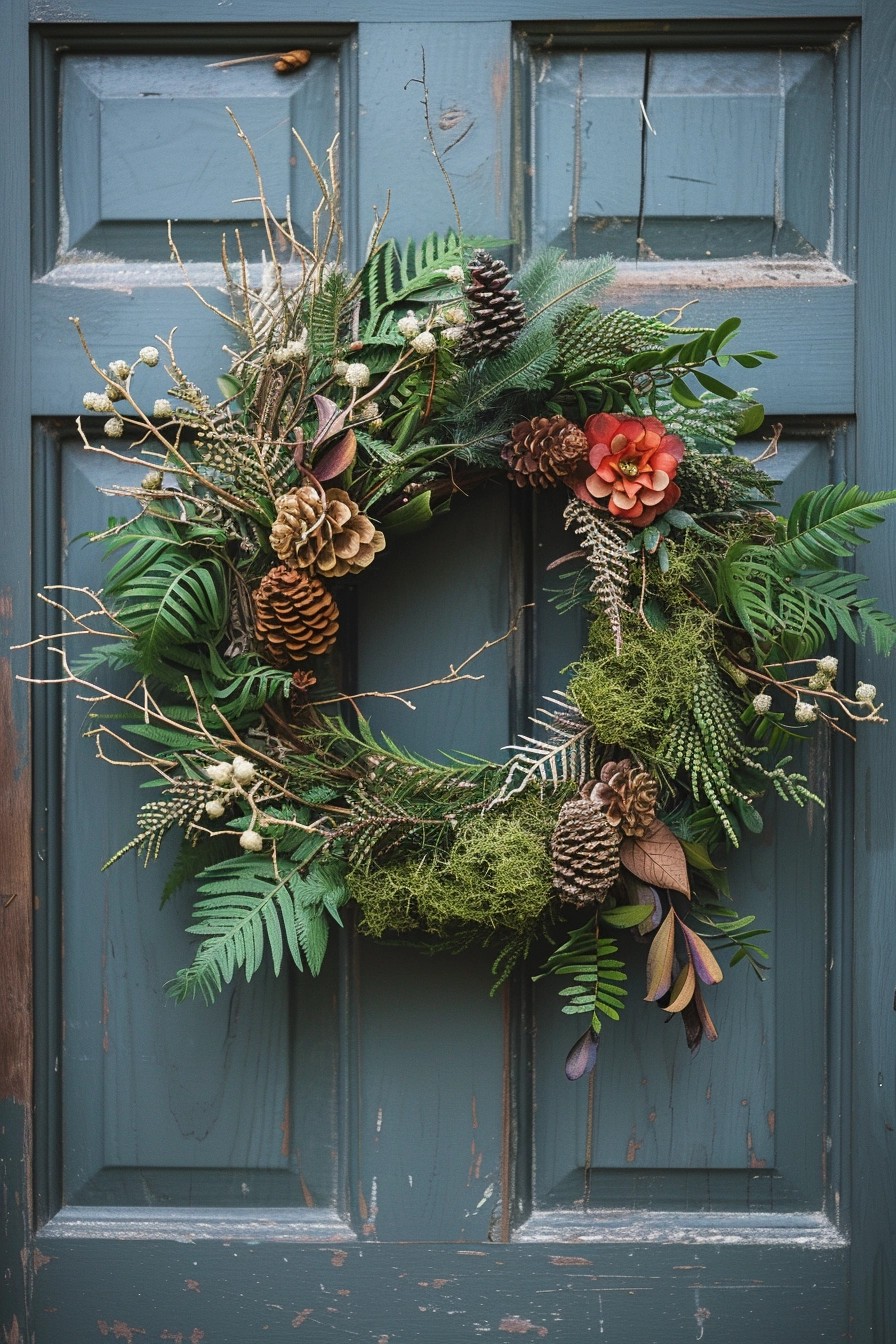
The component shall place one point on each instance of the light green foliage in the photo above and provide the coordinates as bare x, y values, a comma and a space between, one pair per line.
496, 875
792, 596
631, 696
252, 904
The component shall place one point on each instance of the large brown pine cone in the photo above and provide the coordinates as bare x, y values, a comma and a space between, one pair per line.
496, 314
543, 451
330, 536
295, 616
627, 795
585, 851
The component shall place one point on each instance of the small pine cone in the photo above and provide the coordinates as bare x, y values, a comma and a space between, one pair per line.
585, 851
295, 617
627, 795
543, 451
330, 538
496, 314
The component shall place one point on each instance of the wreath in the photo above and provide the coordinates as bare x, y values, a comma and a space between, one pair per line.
358, 406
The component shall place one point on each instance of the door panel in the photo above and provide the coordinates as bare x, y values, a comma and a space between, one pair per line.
269, 1163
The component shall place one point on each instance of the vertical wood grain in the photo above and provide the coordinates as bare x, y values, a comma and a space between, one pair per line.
15, 607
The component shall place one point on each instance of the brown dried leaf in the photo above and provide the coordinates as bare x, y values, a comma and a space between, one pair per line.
657, 858
683, 990
659, 959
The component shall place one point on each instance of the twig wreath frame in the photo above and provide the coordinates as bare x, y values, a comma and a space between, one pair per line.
357, 407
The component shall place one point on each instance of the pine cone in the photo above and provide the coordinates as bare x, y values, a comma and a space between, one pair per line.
585, 850
543, 451
295, 617
627, 795
496, 315
329, 537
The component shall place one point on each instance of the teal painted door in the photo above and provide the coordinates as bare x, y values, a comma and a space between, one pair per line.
389, 1154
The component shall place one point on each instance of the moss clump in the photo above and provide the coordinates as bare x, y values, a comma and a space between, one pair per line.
497, 875
632, 697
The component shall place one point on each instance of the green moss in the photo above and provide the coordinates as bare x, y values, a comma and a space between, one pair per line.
631, 697
497, 875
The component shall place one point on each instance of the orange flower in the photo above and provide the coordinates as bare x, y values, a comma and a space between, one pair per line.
634, 463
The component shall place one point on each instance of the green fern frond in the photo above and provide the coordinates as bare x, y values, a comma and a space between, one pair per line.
252, 907
598, 975
550, 284
825, 525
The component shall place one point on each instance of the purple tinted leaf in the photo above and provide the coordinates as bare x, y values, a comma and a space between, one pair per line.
337, 458
330, 419
583, 1056
705, 964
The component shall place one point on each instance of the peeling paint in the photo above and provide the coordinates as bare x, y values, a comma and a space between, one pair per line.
301, 1317
568, 1260
192, 1286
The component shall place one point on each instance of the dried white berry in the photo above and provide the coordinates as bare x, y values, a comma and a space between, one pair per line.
804, 713
219, 772
452, 334
818, 682
455, 274
357, 375
425, 343
162, 407
114, 392
113, 428
149, 356
762, 703
97, 401
408, 326
152, 480
454, 316
370, 410
340, 368
243, 770
827, 667
214, 807
120, 368
866, 694
251, 841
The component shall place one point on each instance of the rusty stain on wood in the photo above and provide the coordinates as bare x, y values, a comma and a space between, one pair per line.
306, 1193
192, 1286
15, 916
13, 1335
301, 1317
770, 1118
120, 1330
561, 1260
338, 1259
518, 1325
285, 1128
755, 1162
631, 1152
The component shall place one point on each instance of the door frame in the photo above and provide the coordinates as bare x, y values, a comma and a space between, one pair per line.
868, 1040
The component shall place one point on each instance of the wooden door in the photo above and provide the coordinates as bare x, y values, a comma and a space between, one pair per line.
389, 1154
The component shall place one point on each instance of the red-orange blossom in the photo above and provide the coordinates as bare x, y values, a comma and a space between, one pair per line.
633, 463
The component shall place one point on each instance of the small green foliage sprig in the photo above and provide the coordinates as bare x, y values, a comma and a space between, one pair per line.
358, 406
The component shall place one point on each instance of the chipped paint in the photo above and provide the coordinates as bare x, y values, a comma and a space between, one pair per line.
192, 1286
301, 1317
338, 1259
560, 1260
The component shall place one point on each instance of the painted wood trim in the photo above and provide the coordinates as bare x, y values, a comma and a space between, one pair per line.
871, 1213
461, 11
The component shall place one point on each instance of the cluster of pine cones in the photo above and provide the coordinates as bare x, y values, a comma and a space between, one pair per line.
590, 828
318, 534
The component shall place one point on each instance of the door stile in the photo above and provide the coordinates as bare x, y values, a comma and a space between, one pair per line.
16, 1057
